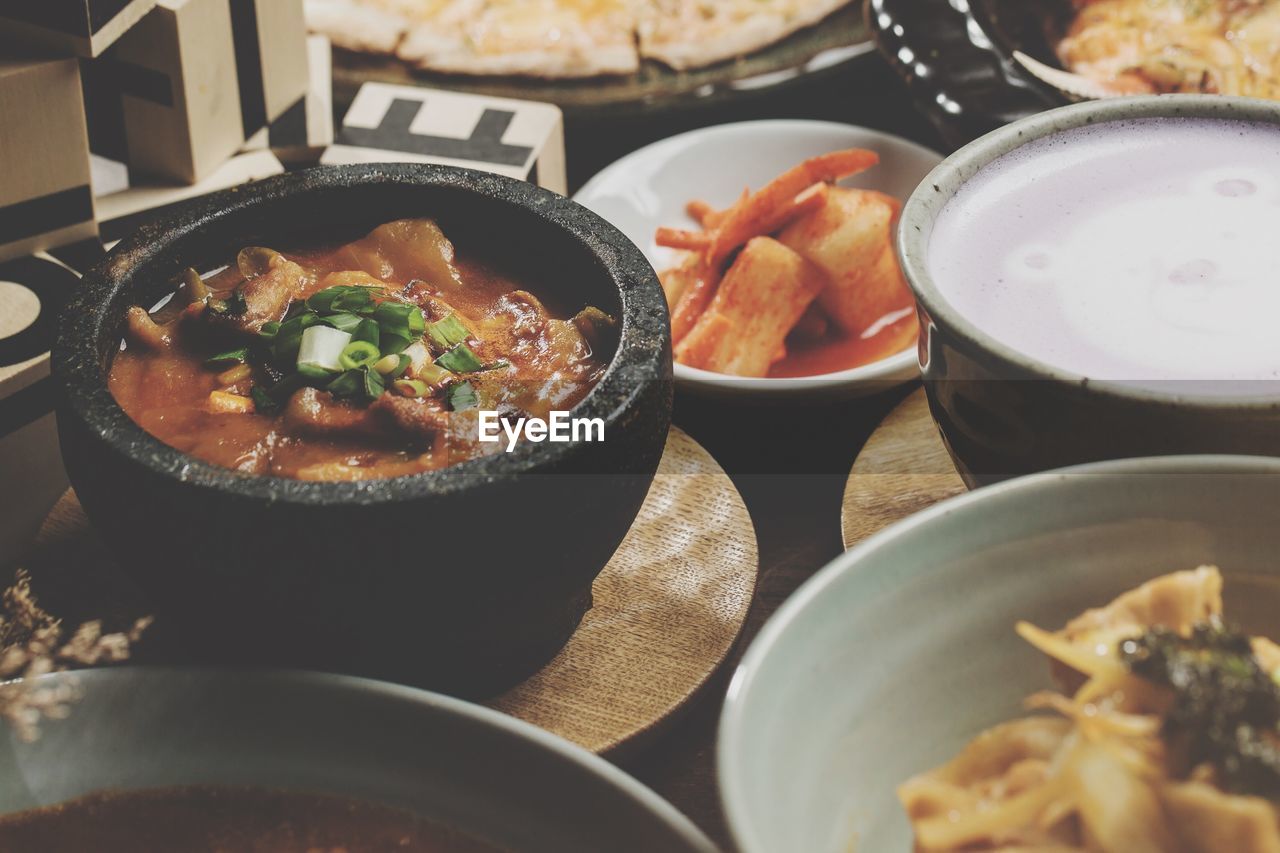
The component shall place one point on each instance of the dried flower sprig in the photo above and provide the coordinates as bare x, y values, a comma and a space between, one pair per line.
31, 645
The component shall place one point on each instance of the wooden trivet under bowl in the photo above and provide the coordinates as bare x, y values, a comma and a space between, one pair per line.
903, 468
668, 607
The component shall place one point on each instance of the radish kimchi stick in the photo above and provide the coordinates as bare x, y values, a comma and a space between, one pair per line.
702, 282
850, 239
700, 211
807, 202
762, 297
751, 218
676, 238
716, 218
700, 348
677, 280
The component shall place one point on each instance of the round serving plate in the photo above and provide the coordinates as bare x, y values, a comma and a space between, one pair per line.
666, 611
650, 187
840, 38
956, 57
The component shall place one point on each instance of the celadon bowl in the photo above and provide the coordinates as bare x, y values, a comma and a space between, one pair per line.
888, 661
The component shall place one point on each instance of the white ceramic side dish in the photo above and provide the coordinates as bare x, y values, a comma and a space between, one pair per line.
650, 187
888, 661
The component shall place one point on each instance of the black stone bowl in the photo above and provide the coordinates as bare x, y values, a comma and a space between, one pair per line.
464, 579
957, 58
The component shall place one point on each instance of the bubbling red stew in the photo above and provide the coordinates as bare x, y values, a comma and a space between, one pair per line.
364, 361
221, 820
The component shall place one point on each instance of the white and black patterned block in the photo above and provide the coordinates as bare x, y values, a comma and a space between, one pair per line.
186, 87
308, 123
386, 123
32, 290
81, 27
45, 194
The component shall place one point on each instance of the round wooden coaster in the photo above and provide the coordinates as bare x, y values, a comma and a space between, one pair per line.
903, 468
667, 608
667, 611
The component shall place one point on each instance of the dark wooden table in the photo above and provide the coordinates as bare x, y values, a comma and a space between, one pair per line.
791, 467
790, 464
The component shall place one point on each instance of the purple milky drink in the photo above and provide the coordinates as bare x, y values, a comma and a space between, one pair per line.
1139, 250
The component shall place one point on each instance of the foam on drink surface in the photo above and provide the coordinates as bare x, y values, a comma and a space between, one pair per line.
1141, 250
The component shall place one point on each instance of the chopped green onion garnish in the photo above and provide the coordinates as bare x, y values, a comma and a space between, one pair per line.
393, 366
322, 300
344, 297
463, 396
344, 322
343, 340
367, 331
233, 356
390, 343
460, 359
359, 354
314, 374
410, 388
288, 337
400, 319
447, 332
348, 384
323, 348
362, 382
373, 384
434, 374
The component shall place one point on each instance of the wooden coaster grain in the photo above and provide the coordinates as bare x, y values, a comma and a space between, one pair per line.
903, 468
667, 610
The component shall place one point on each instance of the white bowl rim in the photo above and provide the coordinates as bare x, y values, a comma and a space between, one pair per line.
898, 368
738, 816
601, 769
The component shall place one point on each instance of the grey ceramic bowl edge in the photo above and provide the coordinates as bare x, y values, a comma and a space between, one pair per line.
239, 688
732, 737
940, 185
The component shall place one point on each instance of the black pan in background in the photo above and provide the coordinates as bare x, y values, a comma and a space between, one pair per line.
956, 57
